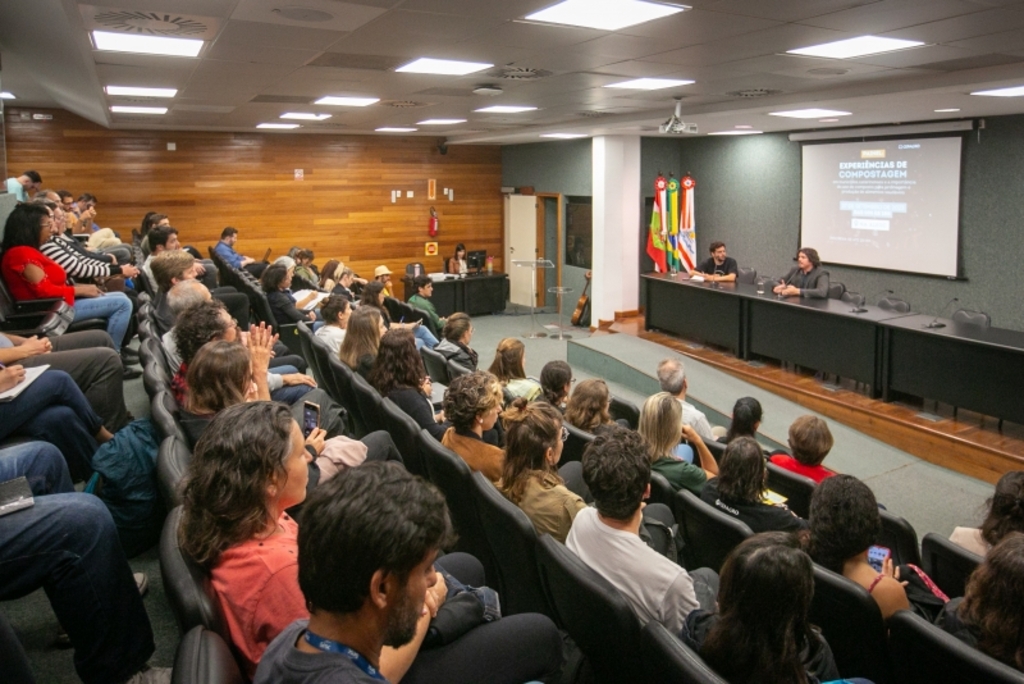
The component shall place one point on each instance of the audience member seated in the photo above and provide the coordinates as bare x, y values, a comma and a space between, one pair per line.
225, 249
1005, 515
336, 311
170, 268
88, 357
509, 366
424, 289
661, 426
844, 523
330, 274
150, 221
276, 281
66, 543
457, 334
366, 573
472, 404
810, 440
398, 375
607, 538
990, 616
672, 378
362, 340
761, 631
338, 280
30, 274
373, 296
738, 490
588, 406
746, 418
531, 478
555, 381
53, 409
304, 267
382, 275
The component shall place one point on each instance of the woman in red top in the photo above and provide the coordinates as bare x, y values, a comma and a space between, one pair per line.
30, 274
810, 440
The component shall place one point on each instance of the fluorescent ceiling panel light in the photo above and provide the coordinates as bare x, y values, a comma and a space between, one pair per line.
305, 116
279, 126
444, 67
606, 15
440, 122
564, 136
855, 47
1013, 91
395, 129
146, 45
737, 132
347, 101
505, 109
649, 83
132, 91
7, 96
809, 113
948, 109
123, 109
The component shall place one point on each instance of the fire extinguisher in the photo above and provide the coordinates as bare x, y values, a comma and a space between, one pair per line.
433, 225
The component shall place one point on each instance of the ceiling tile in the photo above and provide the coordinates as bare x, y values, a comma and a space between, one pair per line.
977, 24
507, 9
260, 54
890, 15
768, 41
270, 35
787, 10
344, 16
700, 26
537, 36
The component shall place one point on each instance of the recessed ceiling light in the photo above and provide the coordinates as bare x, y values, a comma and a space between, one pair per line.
948, 109
735, 132
607, 15
123, 109
505, 109
649, 83
809, 113
347, 101
146, 45
396, 129
564, 136
440, 122
305, 116
280, 126
141, 92
1012, 91
827, 120
7, 96
445, 67
742, 126
855, 47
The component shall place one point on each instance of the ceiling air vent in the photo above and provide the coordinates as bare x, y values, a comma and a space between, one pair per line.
149, 23
753, 92
514, 73
404, 104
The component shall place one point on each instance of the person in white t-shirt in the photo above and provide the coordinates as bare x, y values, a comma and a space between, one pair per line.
336, 311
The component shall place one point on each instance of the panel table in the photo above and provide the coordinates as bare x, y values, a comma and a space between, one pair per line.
474, 295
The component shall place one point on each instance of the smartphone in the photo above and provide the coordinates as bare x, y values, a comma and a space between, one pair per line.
877, 555
310, 418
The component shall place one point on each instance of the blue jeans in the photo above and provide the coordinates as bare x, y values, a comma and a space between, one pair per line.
52, 409
41, 463
68, 545
113, 306
424, 338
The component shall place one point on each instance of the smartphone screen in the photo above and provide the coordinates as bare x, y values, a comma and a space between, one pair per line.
877, 556
310, 418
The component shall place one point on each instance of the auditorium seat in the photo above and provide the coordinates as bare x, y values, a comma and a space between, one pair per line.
342, 378
836, 290
405, 432
575, 445
667, 660
625, 410
795, 487
306, 343
746, 275
186, 584
171, 467
662, 491
164, 412
204, 658
854, 298
369, 402
456, 370
894, 304
709, 535
975, 318
948, 564
899, 537
436, 365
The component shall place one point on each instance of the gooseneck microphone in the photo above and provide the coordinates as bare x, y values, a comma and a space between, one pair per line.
860, 307
935, 324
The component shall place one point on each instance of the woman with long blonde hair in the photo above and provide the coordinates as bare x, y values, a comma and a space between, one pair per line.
662, 427
509, 366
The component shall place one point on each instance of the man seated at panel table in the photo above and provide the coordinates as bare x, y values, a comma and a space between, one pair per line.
807, 279
719, 267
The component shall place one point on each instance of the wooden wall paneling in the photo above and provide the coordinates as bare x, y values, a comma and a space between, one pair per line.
341, 209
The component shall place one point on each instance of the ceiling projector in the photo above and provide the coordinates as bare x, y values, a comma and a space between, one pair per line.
675, 124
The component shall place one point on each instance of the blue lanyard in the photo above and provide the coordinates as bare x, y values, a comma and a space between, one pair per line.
317, 641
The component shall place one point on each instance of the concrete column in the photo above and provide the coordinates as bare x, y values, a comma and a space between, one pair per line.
616, 220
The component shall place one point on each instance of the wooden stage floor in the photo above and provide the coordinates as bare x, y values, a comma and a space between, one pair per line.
968, 443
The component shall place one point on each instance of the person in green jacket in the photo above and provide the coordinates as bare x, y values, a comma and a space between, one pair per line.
421, 300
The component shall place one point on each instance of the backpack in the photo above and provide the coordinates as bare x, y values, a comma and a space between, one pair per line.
125, 480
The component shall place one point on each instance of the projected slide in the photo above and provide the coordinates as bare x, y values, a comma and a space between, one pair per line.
892, 204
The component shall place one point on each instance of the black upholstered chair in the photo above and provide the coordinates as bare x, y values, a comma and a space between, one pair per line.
171, 465
836, 290
393, 307
853, 298
155, 379
593, 612
708, 534
899, 537
662, 491
204, 658
923, 654
436, 365
342, 378
948, 564
575, 445
456, 370
716, 448
976, 318
406, 434
306, 343
746, 275
164, 412
622, 409
186, 584
513, 541
369, 401
852, 624
667, 660
796, 488
894, 304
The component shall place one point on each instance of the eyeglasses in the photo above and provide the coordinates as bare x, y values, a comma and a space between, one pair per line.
565, 433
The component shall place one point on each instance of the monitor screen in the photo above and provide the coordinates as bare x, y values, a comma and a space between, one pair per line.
476, 259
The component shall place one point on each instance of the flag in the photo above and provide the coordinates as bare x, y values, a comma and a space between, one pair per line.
686, 246
658, 229
672, 209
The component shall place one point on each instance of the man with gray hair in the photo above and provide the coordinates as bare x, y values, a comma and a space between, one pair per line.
672, 378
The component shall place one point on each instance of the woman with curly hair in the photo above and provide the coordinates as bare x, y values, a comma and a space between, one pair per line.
990, 616
509, 366
373, 296
761, 632
588, 406
1005, 515
358, 350
556, 380
472, 404
534, 436
845, 523
661, 426
399, 376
